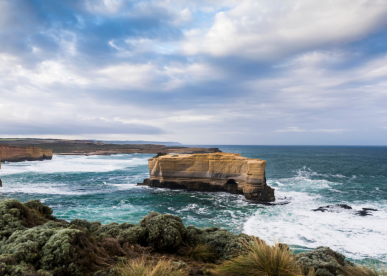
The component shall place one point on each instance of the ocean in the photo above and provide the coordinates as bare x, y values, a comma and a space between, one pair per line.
305, 178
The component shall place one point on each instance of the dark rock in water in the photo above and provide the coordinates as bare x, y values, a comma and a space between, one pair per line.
362, 213
330, 208
338, 208
279, 201
369, 209
1, 183
323, 260
344, 206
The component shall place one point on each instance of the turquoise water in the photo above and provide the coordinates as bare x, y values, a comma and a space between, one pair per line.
306, 177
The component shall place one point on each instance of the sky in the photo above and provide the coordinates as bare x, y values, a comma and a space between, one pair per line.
262, 72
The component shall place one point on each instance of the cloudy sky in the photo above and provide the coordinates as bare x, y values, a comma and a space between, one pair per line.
197, 72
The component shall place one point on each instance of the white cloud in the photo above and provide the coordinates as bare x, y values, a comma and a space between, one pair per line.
296, 129
317, 93
192, 118
328, 130
185, 16
104, 6
268, 29
292, 129
126, 76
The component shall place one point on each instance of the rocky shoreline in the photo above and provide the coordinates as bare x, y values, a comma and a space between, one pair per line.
34, 242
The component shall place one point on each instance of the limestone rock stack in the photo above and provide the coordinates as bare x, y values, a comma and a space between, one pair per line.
211, 172
17, 154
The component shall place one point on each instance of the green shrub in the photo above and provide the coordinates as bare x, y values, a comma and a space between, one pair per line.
323, 260
224, 243
26, 245
133, 235
42, 210
90, 226
164, 231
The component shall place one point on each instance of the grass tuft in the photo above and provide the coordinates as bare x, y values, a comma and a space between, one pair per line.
141, 267
262, 259
201, 252
364, 270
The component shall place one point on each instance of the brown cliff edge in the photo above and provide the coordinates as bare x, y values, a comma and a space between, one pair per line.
88, 147
218, 172
18, 154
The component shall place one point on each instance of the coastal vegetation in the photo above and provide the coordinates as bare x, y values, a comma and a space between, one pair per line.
34, 242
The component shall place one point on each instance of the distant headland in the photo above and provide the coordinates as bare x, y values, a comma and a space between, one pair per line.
92, 147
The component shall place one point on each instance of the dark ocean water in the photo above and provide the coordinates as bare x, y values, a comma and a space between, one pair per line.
306, 177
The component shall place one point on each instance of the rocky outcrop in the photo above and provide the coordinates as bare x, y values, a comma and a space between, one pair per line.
17, 154
211, 172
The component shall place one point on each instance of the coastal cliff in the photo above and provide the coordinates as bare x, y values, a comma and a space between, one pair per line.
88, 147
17, 154
211, 172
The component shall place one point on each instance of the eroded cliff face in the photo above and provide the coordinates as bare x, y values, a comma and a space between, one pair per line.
211, 172
17, 154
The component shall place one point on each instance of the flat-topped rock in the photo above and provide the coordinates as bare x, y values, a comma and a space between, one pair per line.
211, 172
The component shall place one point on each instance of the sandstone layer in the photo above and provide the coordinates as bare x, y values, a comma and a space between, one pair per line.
17, 154
211, 172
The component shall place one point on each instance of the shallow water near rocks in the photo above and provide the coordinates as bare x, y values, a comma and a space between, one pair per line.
306, 177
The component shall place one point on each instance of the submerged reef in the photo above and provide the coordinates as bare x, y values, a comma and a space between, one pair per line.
34, 242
